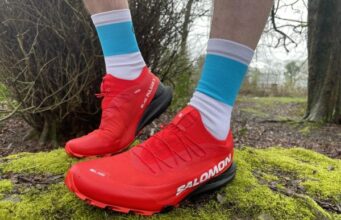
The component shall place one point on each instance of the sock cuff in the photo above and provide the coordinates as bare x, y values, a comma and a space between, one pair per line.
212, 102
111, 17
230, 49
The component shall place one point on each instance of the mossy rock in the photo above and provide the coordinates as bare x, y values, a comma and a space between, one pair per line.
272, 183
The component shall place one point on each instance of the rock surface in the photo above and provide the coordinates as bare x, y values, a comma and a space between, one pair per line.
273, 183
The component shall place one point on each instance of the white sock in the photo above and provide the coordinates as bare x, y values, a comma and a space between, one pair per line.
126, 66
222, 76
215, 115
122, 56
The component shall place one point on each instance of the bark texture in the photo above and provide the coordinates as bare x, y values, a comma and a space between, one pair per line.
324, 51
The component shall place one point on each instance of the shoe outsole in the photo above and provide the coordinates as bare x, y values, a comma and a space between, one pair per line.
161, 101
212, 185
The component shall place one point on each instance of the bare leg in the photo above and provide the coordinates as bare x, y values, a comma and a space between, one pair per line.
97, 6
126, 76
199, 156
242, 21
236, 29
112, 19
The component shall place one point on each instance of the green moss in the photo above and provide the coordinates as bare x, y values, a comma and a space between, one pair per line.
269, 177
273, 100
320, 174
280, 186
308, 127
58, 203
305, 130
254, 111
3, 92
54, 162
5, 187
247, 197
294, 107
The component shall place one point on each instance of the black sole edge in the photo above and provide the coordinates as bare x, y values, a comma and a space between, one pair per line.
215, 183
161, 101
210, 186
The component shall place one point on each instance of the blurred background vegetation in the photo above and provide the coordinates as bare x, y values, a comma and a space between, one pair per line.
51, 62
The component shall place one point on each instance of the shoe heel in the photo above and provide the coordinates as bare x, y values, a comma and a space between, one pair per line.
161, 101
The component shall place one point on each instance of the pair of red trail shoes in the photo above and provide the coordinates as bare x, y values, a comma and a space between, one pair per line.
181, 161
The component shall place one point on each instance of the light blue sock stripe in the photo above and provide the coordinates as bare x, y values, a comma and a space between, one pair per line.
222, 78
117, 38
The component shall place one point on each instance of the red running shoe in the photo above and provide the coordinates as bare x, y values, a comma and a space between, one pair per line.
181, 161
127, 107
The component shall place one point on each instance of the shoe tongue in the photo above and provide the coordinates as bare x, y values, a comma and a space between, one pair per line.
185, 118
112, 87
109, 84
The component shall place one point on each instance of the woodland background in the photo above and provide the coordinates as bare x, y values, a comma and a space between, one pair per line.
51, 66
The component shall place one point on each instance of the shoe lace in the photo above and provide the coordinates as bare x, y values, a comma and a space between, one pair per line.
105, 92
113, 109
186, 143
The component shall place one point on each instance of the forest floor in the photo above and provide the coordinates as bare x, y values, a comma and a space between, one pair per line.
266, 122
277, 178
257, 122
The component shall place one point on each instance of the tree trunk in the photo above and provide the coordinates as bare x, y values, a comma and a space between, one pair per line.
186, 26
324, 52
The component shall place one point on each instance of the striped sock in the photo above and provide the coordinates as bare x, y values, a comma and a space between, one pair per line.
225, 67
122, 55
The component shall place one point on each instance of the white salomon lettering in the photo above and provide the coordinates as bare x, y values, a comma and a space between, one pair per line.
149, 92
205, 176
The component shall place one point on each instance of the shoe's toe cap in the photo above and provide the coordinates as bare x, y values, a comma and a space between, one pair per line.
93, 183
72, 149
91, 145
81, 148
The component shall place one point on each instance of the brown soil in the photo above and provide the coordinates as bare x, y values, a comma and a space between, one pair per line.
281, 125
12, 138
254, 124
